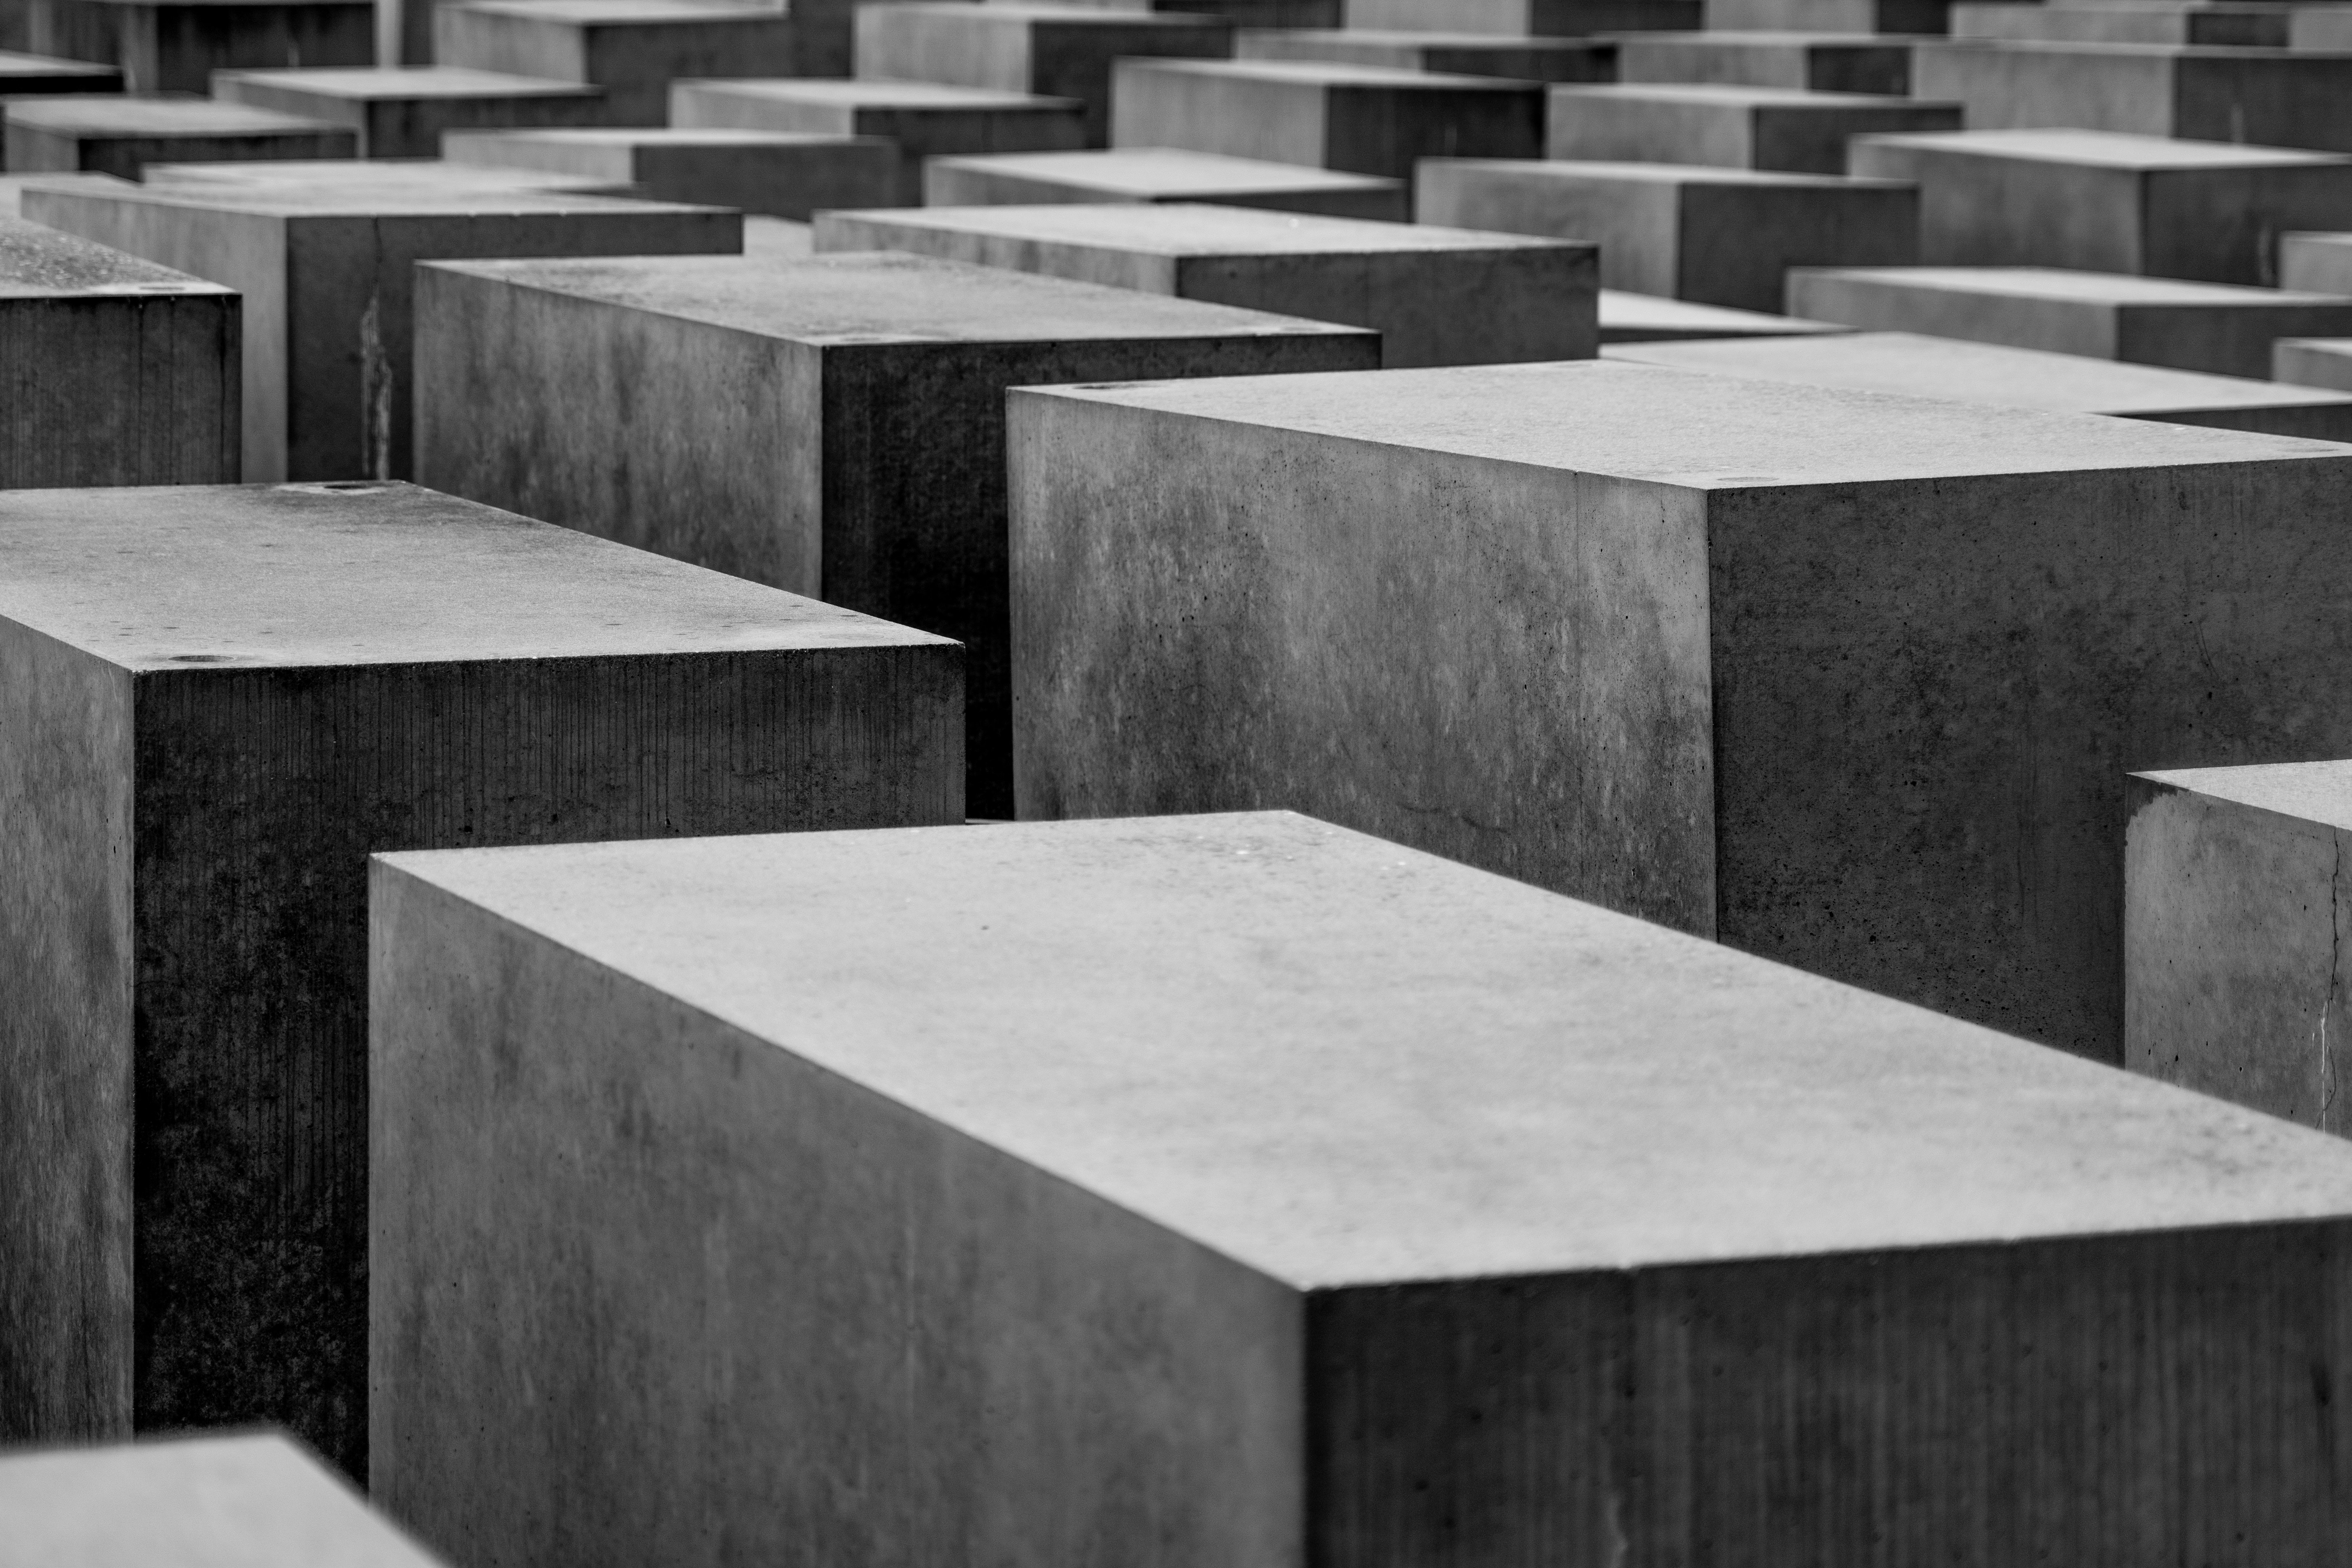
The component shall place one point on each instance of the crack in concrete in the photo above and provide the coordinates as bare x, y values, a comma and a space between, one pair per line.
2335, 973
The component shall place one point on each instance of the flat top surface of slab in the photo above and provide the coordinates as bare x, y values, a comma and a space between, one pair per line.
1753, 40
1976, 373
1680, 427
1621, 309
13, 187
1392, 37
13, 64
362, 83
1343, 1062
365, 177
2310, 792
1190, 228
1169, 171
391, 198
853, 298
39, 262
1566, 169
253, 1502
119, 114
2088, 288
1334, 73
875, 94
2246, 53
658, 136
2108, 149
608, 13
241, 576
1730, 95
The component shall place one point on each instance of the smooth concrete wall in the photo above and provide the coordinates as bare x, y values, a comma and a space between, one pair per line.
632, 50
1728, 127
2267, 98
162, 47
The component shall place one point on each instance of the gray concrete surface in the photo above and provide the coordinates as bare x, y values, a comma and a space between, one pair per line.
1521, 18
1779, 128
12, 187
834, 426
2105, 202
2238, 23
2320, 262
1436, 296
2312, 361
23, 73
402, 113
1843, 679
1159, 174
1812, 62
174, 46
1902, 17
2319, 27
1525, 59
328, 275
113, 133
370, 177
2219, 328
2269, 98
775, 173
1720, 236
1178, 1191
1631, 318
632, 48
221, 699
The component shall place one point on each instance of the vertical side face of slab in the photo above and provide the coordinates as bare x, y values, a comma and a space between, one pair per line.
65, 1043
121, 389
1739, 241
1310, 645
1385, 131
1880, 303
1242, 117
946, 1338
1977, 211
1637, 225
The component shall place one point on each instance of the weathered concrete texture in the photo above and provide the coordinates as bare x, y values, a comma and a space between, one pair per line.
327, 275
1846, 680
1722, 237
2102, 202
1521, 18
2235, 976
922, 118
256, 1501
772, 172
1436, 296
632, 48
1630, 318
834, 426
2012, 378
2322, 262
21, 73
1367, 120
174, 46
401, 113
1790, 130
1178, 1192
2270, 98
1809, 62
2237, 22
2312, 361
235, 695
1896, 16
1053, 50
2216, 327
1160, 174
1525, 59
113, 370
112, 133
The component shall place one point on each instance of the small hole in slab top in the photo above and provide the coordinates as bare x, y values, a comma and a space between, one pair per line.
202, 657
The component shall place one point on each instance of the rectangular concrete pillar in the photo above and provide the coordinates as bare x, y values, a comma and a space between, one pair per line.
1630, 318
2219, 328
1729, 127
1159, 174
1722, 237
2268, 97
174, 46
1809, 62
1520, 18
2312, 361
112, 134
925, 119
221, 700
1238, 1190
772, 172
1528, 58
113, 370
401, 113
834, 426
1436, 296
632, 48
328, 273
21, 74
1849, 681
2321, 262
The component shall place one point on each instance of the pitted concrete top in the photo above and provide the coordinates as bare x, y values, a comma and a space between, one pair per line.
1568, 169
254, 1501
865, 298
2105, 149
1677, 427
2085, 288
394, 196
1332, 73
40, 262
836, 92
621, 13
230, 576
1166, 172
1186, 228
1974, 373
392, 83
117, 114
1343, 1062
1727, 95
2308, 792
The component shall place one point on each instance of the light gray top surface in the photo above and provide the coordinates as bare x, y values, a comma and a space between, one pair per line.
2105, 149
1188, 228
1620, 309
861, 298
215, 576
1167, 171
2084, 288
484, 143
367, 177
13, 186
38, 262
17, 65
392, 197
1344, 1062
243, 1501
1974, 373
1397, 37
1570, 170
1679, 427
1714, 36
1332, 73
2310, 792
607, 13
395, 82
1725, 95
2242, 54
864, 92
119, 114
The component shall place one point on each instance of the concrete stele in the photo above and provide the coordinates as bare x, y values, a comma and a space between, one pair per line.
1811, 62
1782, 128
22, 74
356, 177
1528, 58
174, 46
1159, 174
775, 173
1902, 17
632, 48
1522, 18
2268, 97
2237, 24
222, 700
2316, 261
2312, 361
401, 112
113, 133
1209, 1185
1631, 318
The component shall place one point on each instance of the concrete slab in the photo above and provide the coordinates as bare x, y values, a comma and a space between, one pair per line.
833, 426
328, 275
2312, 361
2319, 261
2238, 23
1809, 62
174, 46
1159, 174
2216, 327
1245, 1180
2235, 977
1436, 296
2104, 202
775, 173
1525, 59
1521, 18
923, 118
1240, 13
402, 113
251, 1500
1780, 128
1897, 16
2011, 378
1722, 237
1630, 318
632, 48
777, 236
2270, 98
353, 176
114, 371
1053, 50
1365, 119
113, 133
1846, 680
22, 73
12, 187
222, 699
2319, 27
